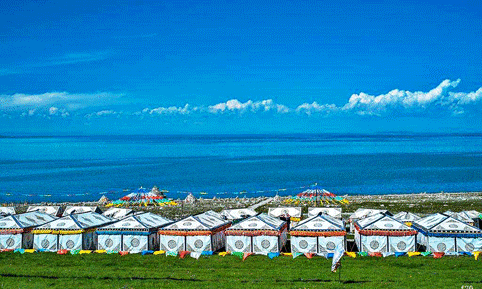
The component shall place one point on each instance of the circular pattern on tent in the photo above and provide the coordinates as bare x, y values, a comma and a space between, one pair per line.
187, 224
453, 226
330, 246
441, 247
135, 242
317, 225
108, 243
239, 244
126, 224
252, 225
374, 244
469, 247
303, 244
198, 244
388, 225
61, 224
2, 224
171, 244
69, 244
10, 242
401, 246
265, 244
285, 212
45, 243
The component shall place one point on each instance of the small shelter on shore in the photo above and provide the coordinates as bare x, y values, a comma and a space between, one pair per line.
51, 210
118, 213
198, 233
238, 214
134, 234
382, 233
261, 234
318, 234
72, 232
7, 211
406, 217
443, 233
15, 230
69, 210
332, 212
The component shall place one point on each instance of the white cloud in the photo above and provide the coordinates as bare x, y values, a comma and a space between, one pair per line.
69, 101
170, 110
234, 105
312, 108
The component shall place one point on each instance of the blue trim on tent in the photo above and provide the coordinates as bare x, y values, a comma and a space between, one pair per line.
456, 235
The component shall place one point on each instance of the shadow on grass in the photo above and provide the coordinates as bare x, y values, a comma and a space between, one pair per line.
103, 278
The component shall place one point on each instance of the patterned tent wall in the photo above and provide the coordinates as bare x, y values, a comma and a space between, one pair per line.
134, 243
55, 242
260, 244
16, 241
193, 243
302, 244
380, 243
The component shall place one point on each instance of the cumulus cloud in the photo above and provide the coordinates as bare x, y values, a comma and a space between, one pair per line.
235, 105
171, 110
313, 108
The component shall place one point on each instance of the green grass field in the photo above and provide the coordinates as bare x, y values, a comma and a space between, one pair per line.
49, 270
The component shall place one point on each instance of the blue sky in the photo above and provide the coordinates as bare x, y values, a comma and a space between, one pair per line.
105, 67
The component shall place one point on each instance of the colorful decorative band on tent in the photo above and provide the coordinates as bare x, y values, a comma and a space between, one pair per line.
193, 232
123, 233
459, 235
317, 233
62, 232
252, 233
11, 231
385, 232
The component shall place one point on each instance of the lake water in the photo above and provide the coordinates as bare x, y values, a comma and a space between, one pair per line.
84, 168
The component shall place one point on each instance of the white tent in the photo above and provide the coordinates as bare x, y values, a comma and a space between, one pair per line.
51, 210
442, 233
236, 214
318, 234
294, 212
332, 212
5, 211
203, 232
72, 232
134, 234
406, 217
118, 213
261, 234
382, 233
461, 217
363, 213
15, 230
69, 210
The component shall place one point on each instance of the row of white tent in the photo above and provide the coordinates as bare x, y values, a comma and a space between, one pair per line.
69, 210
211, 231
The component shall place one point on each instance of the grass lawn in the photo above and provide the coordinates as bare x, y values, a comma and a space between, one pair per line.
49, 270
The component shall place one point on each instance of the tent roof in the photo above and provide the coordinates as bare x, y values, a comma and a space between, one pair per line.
363, 213
441, 222
144, 221
470, 214
117, 213
333, 212
320, 223
280, 211
205, 221
461, 217
77, 222
381, 222
234, 214
259, 222
25, 220
4, 211
51, 210
80, 209
406, 217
